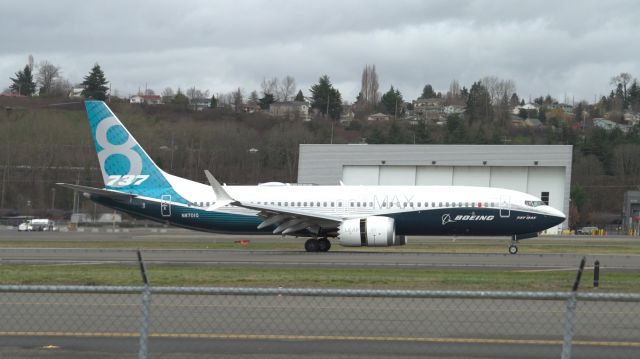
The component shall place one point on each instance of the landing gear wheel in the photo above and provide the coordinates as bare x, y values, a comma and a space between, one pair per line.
324, 245
311, 245
513, 249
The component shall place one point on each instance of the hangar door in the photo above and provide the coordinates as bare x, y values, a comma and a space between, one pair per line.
471, 176
397, 176
514, 178
434, 175
360, 175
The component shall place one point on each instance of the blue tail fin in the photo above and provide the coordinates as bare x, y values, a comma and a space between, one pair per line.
125, 165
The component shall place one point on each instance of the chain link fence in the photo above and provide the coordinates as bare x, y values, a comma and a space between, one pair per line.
181, 322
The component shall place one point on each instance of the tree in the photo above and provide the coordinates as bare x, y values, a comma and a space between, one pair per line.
269, 86
167, 92
23, 82
479, 103
621, 81
95, 84
180, 100
266, 101
287, 88
427, 92
47, 74
369, 86
326, 99
253, 98
497, 87
514, 100
238, 100
299, 96
634, 96
392, 102
214, 102
522, 113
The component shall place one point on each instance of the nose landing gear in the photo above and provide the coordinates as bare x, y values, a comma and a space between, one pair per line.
513, 247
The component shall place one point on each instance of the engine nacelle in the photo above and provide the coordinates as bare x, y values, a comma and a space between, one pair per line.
375, 231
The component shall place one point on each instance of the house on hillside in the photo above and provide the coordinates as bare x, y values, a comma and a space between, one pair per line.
290, 109
609, 125
378, 117
146, 99
199, 104
527, 107
76, 93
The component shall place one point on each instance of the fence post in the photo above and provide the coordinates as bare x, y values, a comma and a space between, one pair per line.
571, 314
146, 303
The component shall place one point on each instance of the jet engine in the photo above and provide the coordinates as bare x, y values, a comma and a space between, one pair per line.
374, 231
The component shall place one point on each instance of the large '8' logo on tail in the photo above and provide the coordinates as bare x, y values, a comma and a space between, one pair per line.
117, 146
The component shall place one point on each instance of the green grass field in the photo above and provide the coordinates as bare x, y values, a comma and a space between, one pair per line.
372, 278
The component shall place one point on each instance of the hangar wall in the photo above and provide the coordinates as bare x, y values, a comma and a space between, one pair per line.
527, 168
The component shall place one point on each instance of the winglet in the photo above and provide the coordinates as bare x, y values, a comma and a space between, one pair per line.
222, 197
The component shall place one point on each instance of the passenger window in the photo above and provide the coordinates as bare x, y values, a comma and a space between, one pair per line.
486, 204
384, 204
332, 204
305, 204
426, 204
324, 204
318, 204
447, 204
473, 204
310, 204
358, 204
279, 203
419, 204
439, 204
433, 204
371, 204
339, 204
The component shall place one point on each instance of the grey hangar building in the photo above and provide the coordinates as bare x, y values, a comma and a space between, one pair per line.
540, 170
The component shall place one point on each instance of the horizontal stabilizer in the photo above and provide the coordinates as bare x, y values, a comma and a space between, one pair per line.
97, 191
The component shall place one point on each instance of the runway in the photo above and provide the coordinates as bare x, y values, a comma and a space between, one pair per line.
304, 259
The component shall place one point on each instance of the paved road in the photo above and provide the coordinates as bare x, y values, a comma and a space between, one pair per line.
300, 258
106, 325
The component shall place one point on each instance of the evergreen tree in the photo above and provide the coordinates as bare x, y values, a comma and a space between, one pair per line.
266, 101
392, 102
514, 101
299, 96
95, 84
23, 82
180, 100
427, 92
479, 103
214, 102
254, 99
322, 92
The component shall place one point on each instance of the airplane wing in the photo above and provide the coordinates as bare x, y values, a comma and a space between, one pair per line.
97, 191
286, 220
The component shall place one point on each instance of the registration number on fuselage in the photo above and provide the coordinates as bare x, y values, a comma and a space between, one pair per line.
190, 215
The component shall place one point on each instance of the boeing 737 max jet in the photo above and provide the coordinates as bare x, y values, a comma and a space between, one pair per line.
352, 215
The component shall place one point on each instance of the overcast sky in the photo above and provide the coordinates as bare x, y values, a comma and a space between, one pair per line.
565, 48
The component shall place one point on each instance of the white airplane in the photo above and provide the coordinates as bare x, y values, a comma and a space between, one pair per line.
353, 215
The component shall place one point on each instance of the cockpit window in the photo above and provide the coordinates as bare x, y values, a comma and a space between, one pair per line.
534, 203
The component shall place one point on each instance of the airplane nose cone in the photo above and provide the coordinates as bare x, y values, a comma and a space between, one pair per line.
556, 213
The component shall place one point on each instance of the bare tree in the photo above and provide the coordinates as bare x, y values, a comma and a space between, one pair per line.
254, 98
149, 92
454, 96
269, 86
238, 100
60, 87
498, 88
624, 78
168, 92
369, 90
287, 88
47, 73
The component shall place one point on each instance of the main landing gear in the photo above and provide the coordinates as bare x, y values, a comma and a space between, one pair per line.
317, 245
